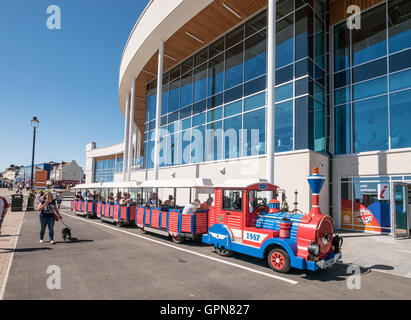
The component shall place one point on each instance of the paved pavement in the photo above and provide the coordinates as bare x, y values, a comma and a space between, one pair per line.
9, 234
106, 262
379, 252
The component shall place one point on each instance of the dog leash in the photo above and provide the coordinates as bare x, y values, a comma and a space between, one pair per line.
61, 220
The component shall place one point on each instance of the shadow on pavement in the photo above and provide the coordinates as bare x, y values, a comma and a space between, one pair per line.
75, 240
7, 250
9, 235
381, 267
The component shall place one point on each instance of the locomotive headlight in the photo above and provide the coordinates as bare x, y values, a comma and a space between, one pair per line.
337, 241
314, 249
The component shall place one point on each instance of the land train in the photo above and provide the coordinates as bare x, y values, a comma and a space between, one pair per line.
245, 219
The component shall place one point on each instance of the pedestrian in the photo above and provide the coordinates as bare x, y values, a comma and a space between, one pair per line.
48, 209
4, 205
59, 199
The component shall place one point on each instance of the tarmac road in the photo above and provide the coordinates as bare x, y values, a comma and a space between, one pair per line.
107, 262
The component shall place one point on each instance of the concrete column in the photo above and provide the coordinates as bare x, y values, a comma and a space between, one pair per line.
271, 51
134, 144
131, 125
158, 109
126, 134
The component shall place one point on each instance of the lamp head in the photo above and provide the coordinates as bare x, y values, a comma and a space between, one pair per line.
34, 122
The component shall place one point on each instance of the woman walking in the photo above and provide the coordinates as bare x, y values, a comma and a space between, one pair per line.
47, 208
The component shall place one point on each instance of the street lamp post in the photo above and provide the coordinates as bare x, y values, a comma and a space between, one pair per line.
35, 124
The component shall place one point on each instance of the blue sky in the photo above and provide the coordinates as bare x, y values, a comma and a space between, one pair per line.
68, 78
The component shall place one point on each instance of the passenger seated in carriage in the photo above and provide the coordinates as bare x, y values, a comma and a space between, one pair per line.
154, 201
139, 200
237, 201
118, 197
191, 208
110, 198
207, 204
125, 201
78, 195
89, 196
169, 202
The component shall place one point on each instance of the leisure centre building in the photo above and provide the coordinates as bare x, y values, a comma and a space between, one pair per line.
241, 89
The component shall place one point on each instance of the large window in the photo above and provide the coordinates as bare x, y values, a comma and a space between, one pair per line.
104, 170
400, 119
369, 42
284, 126
255, 56
362, 106
400, 25
370, 124
232, 199
234, 66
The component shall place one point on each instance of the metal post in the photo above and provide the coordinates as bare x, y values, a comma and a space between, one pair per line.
130, 130
32, 159
271, 46
126, 129
158, 109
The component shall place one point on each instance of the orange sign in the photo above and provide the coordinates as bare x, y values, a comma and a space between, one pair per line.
40, 177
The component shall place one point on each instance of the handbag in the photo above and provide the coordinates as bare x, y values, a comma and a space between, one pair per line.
56, 218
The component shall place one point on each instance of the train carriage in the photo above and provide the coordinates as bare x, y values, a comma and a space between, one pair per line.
109, 212
170, 221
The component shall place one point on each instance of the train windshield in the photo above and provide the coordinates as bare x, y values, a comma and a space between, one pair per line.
259, 198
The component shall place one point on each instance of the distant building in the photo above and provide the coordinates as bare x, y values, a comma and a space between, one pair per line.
66, 173
24, 174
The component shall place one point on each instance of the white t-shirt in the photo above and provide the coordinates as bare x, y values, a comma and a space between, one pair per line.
189, 209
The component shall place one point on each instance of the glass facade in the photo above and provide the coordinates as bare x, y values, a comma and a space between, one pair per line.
104, 170
214, 103
372, 80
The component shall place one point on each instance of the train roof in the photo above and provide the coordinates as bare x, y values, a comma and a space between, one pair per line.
242, 183
109, 185
178, 183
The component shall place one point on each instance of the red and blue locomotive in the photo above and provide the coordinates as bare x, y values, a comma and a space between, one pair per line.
260, 229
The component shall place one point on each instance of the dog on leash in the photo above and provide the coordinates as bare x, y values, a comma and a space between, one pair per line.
66, 233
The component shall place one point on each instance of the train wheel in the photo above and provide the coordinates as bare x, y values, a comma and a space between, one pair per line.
223, 252
279, 260
177, 239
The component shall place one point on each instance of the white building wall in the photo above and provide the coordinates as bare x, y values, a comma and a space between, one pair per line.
72, 171
90, 162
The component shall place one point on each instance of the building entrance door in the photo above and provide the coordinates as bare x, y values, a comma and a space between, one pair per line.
401, 207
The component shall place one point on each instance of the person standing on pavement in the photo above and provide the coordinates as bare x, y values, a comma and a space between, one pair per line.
47, 208
59, 199
4, 205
